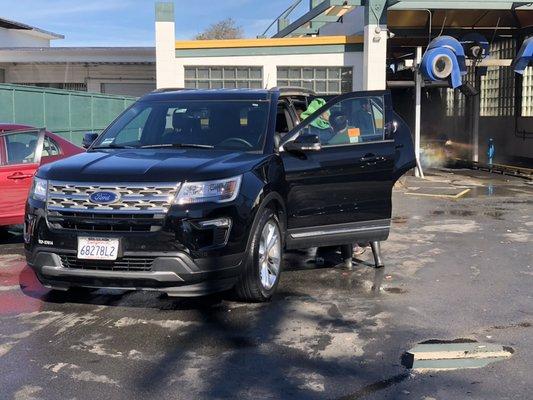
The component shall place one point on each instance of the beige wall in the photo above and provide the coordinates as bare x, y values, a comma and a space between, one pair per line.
269, 65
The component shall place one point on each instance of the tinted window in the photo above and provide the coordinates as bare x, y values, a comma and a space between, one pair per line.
21, 147
350, 121
239, 125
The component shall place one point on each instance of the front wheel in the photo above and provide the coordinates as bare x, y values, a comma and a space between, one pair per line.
262, 269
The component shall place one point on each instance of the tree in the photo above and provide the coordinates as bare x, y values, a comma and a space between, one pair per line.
225, 29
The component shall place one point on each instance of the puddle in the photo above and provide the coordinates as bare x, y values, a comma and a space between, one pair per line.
491, 190
442, 355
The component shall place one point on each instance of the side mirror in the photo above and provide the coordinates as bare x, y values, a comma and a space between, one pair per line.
88, 139
305, 142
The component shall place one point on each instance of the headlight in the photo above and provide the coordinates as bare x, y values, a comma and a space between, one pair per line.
39, 189
220, 191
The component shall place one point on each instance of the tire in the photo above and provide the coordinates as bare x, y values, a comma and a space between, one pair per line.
262, 269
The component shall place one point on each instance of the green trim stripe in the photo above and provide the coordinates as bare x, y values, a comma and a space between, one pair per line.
164, 12
269, 51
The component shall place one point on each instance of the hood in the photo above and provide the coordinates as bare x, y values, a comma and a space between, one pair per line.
149, 165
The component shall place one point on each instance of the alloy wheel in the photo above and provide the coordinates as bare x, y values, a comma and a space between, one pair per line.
269, 254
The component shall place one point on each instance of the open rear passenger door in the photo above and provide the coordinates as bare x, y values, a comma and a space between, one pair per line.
340, 165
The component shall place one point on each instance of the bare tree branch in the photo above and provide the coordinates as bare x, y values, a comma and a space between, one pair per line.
225, 29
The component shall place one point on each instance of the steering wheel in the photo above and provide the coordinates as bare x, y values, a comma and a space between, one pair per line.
237, 140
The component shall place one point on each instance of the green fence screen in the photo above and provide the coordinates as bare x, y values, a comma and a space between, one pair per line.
67, 113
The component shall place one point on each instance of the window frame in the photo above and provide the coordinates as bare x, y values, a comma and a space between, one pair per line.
152, 119
40, 134
387, 116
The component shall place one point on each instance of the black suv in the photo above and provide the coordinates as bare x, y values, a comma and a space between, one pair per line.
195, 191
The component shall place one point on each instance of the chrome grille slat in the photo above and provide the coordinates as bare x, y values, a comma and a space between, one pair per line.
141, 208
152, 198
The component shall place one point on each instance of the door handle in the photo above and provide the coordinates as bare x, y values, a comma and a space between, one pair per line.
369, 157
19, 175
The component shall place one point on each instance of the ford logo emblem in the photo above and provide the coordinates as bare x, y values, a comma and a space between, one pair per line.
104, 197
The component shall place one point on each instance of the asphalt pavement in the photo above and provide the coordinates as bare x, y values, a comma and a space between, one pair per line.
459, 266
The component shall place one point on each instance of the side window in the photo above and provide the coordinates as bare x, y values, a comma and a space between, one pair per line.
131, 133
50, 148
284, 120
20, 147
350, 121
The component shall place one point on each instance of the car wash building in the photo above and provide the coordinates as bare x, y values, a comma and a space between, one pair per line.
458, 70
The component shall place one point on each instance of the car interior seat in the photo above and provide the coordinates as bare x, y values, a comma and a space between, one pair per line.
18, 153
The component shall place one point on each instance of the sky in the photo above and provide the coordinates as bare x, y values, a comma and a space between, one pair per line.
131, 22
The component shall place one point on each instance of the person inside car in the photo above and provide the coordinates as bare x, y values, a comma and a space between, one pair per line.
319, 126
364, 118
339, 126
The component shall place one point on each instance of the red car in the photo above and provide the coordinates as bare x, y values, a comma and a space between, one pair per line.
22, 150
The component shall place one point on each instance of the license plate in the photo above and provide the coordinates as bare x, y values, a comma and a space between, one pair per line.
97, 248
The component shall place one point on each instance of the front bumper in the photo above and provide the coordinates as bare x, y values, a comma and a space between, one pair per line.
176, 274
185, 254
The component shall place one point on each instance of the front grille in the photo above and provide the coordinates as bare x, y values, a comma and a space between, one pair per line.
142, 198
139, 207
104, 222
131, 264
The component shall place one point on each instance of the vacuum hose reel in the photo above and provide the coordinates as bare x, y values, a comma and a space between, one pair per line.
442, 66
524, 57
444, 60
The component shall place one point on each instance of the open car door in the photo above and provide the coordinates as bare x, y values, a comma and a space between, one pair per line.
21, 155
340, 164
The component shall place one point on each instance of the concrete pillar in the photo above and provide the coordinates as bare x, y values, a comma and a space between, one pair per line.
93, 86
168, 72
270, 74
375, 45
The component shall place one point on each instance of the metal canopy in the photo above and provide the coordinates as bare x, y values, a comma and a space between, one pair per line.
410, 18
414, 28
325, 12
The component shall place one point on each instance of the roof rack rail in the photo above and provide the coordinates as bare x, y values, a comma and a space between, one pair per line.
296, 90
164, 90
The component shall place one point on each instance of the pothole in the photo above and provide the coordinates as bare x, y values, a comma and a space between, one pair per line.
444, 355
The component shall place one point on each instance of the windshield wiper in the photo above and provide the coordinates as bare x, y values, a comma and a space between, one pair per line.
178, 146
112, 146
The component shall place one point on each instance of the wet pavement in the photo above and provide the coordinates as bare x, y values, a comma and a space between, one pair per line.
455, 268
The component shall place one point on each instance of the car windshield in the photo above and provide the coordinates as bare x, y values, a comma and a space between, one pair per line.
237, 125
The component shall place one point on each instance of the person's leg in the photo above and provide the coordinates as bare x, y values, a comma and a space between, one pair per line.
359, 248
